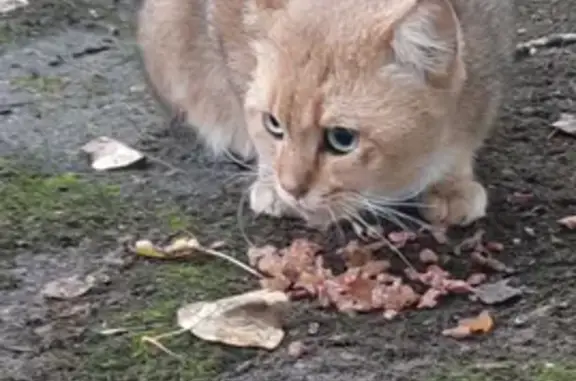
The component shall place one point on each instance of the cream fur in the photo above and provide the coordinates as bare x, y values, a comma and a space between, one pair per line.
421, 81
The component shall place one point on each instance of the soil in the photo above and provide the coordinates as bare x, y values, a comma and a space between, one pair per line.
70, 73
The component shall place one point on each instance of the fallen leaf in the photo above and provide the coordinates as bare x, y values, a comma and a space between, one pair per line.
495, 293
178, 248
146, 248
106, 154
68, 288
481, 324
566, 123
568, 222
7, 6
253, 319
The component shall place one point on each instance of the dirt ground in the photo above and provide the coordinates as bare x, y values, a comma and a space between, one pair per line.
70, 73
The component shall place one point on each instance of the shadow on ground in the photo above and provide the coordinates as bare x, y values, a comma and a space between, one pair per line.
70, 73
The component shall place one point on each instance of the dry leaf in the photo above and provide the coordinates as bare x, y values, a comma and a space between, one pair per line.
253, 319
178, 248
146, 248
481, 324
106, 154
566, 123
68, 288
10, 5
498, 292
568, 222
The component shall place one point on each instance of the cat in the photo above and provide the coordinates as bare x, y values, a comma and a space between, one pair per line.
347, 105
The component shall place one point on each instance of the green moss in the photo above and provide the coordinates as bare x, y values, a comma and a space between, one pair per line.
37, 209
128, 358
562, 372
39, 84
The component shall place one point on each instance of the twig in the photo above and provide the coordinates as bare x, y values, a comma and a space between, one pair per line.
228, 258
154, 341
531, 47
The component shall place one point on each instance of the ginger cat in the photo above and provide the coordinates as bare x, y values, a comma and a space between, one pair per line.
347, 105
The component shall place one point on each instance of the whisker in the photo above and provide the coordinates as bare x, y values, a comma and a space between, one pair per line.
379, 235
377, 212
240, 217
335, 222
421, 223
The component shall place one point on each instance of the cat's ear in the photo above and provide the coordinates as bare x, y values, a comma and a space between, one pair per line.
428, 39
260, 14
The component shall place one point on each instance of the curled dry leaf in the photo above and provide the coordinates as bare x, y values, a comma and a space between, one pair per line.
253, 319
495, 293
106, 154
568, 222
481, 324
178, 248
7, 6
68, 288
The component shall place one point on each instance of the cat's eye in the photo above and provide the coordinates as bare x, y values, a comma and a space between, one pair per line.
340, 140
272, 125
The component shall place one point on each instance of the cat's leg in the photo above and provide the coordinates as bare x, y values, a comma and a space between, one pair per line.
457, 199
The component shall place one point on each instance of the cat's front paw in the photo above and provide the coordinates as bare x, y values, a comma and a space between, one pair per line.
458, 203
265, 200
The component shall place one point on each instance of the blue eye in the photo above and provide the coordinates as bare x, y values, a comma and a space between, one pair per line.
272, 125
341, 140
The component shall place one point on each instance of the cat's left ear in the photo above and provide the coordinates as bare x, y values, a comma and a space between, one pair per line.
428, 39
260, 14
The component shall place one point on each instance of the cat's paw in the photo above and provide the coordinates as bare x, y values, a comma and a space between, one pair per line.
265, 200
457, 204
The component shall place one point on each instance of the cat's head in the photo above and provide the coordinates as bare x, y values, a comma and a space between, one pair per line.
349, 99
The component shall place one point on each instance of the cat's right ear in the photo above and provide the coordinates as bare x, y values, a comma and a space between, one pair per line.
259, 15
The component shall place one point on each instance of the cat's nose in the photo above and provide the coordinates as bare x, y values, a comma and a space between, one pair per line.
296, 186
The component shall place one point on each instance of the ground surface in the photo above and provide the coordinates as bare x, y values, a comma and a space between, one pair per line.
70, 73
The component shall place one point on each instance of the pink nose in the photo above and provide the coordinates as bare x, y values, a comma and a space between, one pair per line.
296, 186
